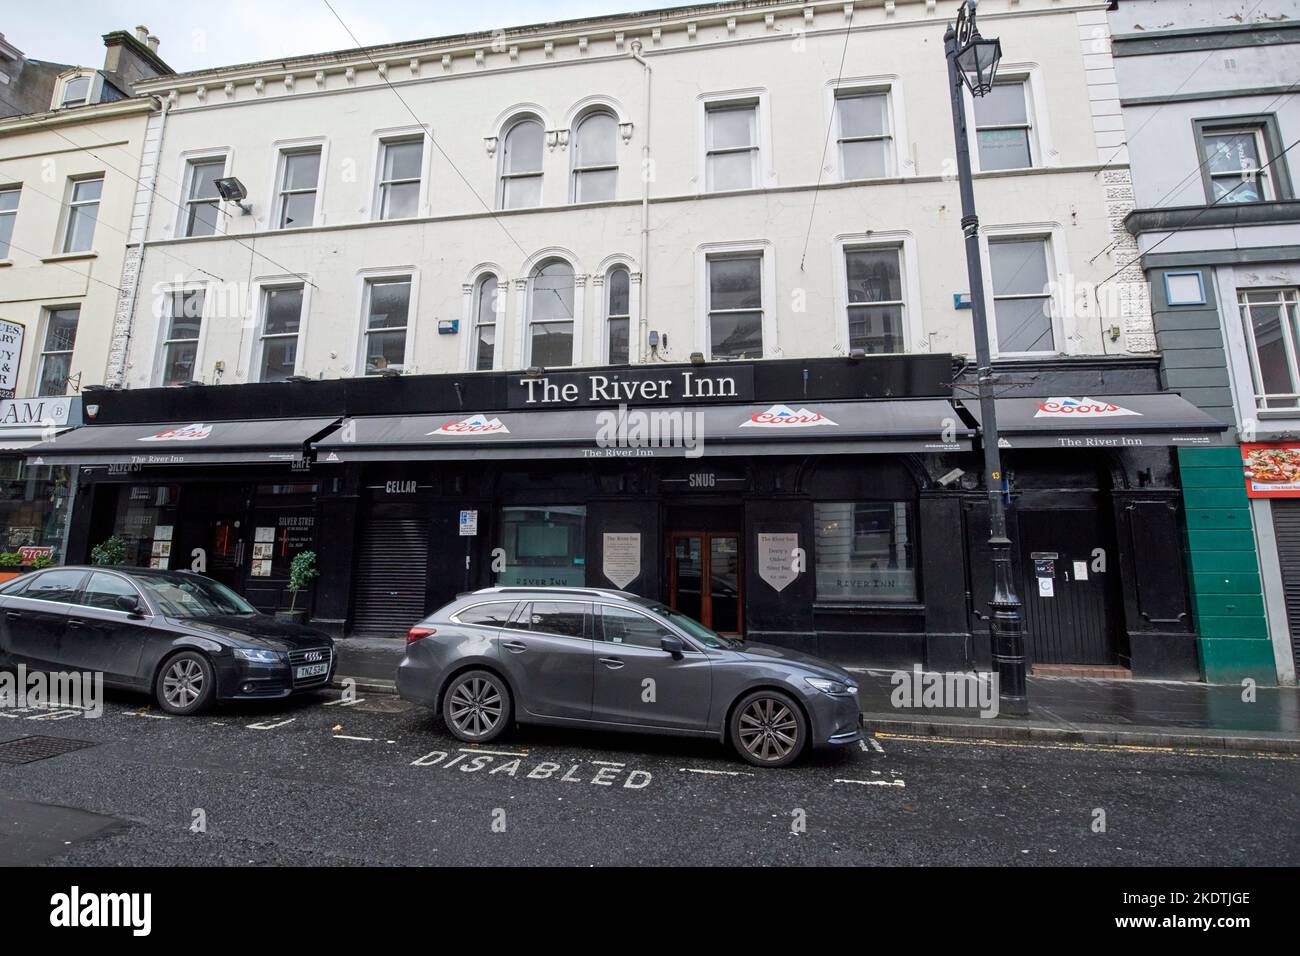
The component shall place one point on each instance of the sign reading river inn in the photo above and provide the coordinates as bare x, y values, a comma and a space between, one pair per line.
632, 387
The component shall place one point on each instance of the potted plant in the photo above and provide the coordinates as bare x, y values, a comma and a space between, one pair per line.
109, 553
302, 571
11, 565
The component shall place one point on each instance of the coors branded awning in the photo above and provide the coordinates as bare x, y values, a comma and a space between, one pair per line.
187, 443
921, 425
1107, 421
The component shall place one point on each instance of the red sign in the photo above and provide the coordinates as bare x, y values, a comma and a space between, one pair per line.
1272, 470
31, 552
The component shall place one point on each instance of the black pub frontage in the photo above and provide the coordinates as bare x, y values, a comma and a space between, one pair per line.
830, 505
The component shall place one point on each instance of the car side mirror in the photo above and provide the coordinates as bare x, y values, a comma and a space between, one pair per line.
674, 646
128, 603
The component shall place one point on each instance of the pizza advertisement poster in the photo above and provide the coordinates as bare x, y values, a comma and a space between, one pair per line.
1272, 470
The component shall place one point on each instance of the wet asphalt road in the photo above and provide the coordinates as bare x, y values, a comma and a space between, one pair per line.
320, 781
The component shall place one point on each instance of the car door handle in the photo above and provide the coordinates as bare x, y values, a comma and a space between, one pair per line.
613, 663
13, 615
515, 647
75, 623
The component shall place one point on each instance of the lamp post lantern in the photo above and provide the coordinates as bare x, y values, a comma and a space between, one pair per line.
973, 63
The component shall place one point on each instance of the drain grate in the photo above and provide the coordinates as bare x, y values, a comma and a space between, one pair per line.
30, 749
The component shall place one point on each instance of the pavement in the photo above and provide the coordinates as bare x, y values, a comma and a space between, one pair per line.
1062, 709
320, 780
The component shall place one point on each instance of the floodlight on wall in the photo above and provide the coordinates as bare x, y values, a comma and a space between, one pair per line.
232, 190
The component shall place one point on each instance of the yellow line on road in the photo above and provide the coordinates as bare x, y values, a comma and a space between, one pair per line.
1093, 748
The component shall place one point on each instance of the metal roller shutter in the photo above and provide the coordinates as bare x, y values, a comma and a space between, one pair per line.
391, 575
1286, 526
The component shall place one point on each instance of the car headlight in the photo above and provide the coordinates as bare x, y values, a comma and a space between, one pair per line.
258, 656
831, 686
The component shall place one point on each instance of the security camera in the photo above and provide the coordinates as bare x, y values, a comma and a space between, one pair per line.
950, 479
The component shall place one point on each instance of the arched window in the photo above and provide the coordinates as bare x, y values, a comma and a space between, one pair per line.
550, 314
521, 165
595, 158
618, 315
485, 322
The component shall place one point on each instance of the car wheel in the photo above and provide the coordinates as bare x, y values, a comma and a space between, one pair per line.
476, 707
768, 729
186, 684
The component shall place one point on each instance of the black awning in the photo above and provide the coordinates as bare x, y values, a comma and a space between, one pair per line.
919, 425
267, 441
1106, 421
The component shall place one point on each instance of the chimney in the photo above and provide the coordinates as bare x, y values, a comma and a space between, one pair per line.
142, 33
153, 42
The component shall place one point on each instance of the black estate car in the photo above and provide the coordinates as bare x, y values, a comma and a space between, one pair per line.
181, 636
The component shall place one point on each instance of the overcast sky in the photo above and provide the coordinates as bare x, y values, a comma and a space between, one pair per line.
199, 35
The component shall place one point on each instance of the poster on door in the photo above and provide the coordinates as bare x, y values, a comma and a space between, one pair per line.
777, 559
1272, 470
622, 560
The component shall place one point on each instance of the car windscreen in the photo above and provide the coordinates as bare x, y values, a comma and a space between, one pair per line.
193, 597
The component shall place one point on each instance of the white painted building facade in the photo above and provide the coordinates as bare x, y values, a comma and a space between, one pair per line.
390, 190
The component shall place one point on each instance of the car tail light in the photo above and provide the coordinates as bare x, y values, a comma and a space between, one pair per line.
419, 633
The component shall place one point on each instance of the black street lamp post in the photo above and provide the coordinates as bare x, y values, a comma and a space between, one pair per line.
973, 61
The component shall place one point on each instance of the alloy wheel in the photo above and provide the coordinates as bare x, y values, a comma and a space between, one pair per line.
475, 707
183, 684
768, 730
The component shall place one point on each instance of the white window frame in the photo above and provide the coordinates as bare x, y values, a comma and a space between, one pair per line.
1289, 298
41, 351
515, 119
891, 87
526, 307
282, 150
732, 250
914, 338
189, 161
469, 315
383, 138
575, 171
263, 290
365, 277
162, 317
1042, 153
1268, 188
72, 205
764, 161
602, 288
12, 214
1053, 234
93, 89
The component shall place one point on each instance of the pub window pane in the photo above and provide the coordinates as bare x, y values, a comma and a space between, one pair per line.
619, 318
1022, 301
736, 307
1002, 127
521, 165
298, 188
544, 546
386, 323
280, 325
182, 325
550, 315
56, 353
485, 311
595, 158
8, 215
875, 299
202, 199
83, 213
731, 150
865, 144
399, 182
865, 551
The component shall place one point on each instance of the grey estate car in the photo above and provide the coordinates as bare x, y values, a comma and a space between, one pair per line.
615, 661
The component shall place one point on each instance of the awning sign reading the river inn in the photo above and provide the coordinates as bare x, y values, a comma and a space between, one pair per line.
282, 441
1272, 471
1119, 421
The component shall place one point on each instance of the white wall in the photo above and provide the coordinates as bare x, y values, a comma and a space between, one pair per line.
789, 61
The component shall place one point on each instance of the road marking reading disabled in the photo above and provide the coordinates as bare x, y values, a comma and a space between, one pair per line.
472, 761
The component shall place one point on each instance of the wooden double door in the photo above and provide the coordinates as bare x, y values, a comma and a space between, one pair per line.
706, 578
